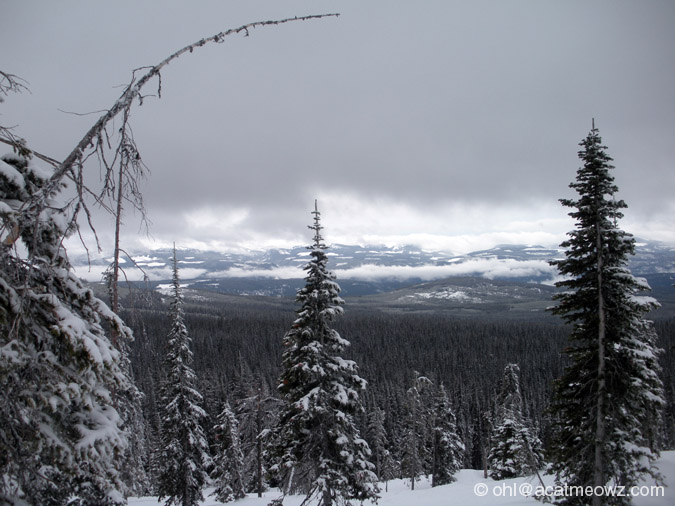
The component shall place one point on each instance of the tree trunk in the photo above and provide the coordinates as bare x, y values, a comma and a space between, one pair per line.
327, 499
413, 475
116, 262
434, 461
289, 485
259, 445
598, 467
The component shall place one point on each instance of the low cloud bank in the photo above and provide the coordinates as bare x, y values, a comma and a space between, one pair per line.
489, 268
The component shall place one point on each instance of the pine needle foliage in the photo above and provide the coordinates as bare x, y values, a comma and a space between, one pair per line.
415, 457
448, 448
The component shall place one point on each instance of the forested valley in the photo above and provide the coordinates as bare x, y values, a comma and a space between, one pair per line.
237, 344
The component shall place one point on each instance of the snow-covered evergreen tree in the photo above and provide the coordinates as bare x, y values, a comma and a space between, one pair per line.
136, 459
385, 465
509, 398
257, 414
184, 454
415, 457
60, 434
516, 449
228, 460
448, 448
318, 448
610, 395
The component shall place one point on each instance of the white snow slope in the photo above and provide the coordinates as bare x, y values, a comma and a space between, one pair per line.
465, 492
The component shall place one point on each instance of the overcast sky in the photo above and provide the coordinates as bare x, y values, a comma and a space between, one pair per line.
445, 124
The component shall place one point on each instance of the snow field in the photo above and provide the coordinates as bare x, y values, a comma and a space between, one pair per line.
463, 492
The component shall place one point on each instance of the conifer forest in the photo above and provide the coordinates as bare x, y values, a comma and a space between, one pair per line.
117, 389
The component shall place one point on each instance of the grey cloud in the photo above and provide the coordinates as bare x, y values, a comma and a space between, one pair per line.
417, 103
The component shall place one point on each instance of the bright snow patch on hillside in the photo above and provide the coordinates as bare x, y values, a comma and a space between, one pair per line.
167, 288
464, 491
449, 294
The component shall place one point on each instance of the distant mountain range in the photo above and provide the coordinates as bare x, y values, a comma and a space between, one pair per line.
471, 280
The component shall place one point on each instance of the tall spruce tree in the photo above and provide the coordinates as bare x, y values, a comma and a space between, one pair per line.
516, 449
184, 453
257, 414
385, 466
610, 394
318, 448
415, 456
448, 448
228, 458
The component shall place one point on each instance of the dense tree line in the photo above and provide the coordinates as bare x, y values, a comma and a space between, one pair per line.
238, 345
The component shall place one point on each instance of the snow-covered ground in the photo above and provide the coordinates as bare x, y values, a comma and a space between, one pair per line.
470, 489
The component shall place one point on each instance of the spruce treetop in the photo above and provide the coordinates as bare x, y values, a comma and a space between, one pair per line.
510, 401
597, 242
318, 240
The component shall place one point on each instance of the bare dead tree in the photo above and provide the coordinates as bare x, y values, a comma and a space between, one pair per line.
126, 187
124, 169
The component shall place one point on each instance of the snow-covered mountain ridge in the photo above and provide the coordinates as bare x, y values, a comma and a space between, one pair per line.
503, 278
361, 270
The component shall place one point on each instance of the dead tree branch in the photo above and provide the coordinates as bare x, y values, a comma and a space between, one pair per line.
133, 90
9, 83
